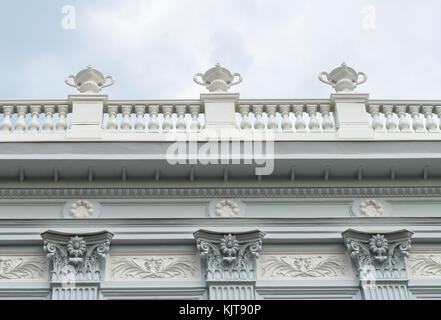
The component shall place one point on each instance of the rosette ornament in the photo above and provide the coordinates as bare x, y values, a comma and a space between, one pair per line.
378, 245
229, 246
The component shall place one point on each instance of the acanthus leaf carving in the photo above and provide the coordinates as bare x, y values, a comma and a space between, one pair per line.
302, 266
229, 257
22, 268
81, 255
425, 265
385, 253
154, 267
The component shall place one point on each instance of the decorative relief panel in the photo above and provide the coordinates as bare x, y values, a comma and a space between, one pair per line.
424, 265
303, 266
153, 267
23, 268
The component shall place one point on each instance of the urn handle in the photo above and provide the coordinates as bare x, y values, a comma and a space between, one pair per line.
195, 79
362, 81
320, 76
112, 81
239, 80
70, 84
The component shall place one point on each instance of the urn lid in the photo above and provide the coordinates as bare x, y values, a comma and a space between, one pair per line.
218, 72
89, 74
343, 72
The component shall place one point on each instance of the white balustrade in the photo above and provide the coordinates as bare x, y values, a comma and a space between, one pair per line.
286, 117
148, 117
20, 117
404, 117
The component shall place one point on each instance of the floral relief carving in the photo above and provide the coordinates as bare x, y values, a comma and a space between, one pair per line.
371, 208
425, 265
153, 267
302, 266
226, 208
81, 209
21, 268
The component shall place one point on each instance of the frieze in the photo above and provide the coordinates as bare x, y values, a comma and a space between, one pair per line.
157, 267
146, 193
426, 265
23, 268
303, 266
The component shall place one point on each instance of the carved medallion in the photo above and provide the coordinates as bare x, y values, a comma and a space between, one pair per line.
81, 209
371, 208
226, 208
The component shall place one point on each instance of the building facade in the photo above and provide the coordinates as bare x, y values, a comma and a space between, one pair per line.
220, 197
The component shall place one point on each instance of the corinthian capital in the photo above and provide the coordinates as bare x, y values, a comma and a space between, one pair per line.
79, 255
384, 253
229, 256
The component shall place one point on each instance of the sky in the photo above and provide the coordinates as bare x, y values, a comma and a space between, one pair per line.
154, 47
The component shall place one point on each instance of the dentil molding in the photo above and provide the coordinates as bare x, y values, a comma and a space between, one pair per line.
234, 192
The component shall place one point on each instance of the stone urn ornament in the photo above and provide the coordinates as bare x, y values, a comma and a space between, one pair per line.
217, 79
343, 78
89, 81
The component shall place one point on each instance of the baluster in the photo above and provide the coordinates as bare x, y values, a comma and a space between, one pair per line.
286, 121
300, 122
181, 125
153, 121
34, 123
20, 123
377, 125
314, 124
327, 124
140, 122
112, 123
271, 112
258, 122
438, 113
61, 124
418, 125
6, 125
403, 124
245, 123
167, 125
48, 124
195, 126
430, 122
126, 123
391, 124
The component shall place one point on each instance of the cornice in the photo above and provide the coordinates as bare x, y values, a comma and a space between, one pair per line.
227, 192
